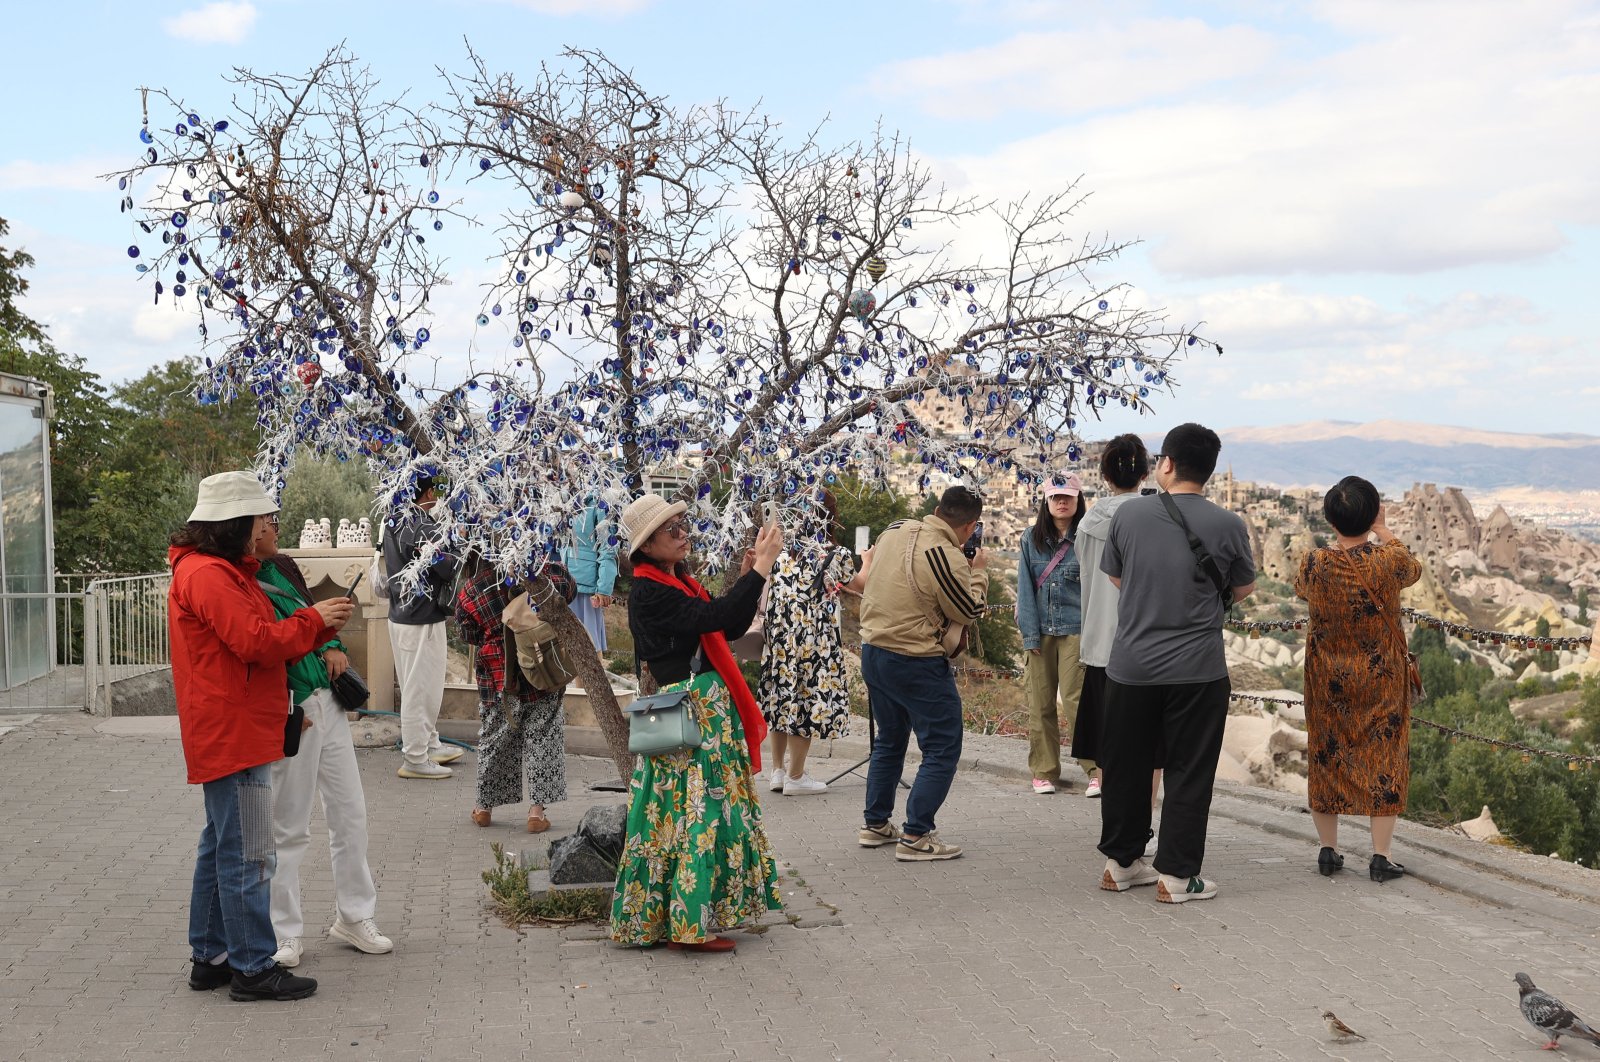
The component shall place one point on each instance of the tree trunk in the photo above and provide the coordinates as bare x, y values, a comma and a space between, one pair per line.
592, 673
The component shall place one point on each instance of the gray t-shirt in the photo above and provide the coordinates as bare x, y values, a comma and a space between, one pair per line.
1169, 615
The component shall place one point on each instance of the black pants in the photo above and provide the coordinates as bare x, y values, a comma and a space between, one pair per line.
1184, 720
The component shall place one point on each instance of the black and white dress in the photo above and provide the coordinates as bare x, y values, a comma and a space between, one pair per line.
803, 690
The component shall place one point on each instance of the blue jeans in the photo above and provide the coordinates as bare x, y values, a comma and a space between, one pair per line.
906, 695
230, 909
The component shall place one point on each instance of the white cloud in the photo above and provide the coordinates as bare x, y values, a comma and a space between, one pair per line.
69, 175
163, 322
594, 8
219, 23
1271, 316
1109, 65
1425, 137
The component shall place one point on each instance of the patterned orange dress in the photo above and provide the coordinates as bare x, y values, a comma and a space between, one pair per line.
1358, 721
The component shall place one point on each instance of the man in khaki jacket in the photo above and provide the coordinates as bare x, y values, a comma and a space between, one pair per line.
919, 585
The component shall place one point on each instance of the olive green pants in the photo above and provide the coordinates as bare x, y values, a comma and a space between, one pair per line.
1054, 682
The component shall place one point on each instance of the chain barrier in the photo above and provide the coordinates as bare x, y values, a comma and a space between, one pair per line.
1478, 635
1573, 760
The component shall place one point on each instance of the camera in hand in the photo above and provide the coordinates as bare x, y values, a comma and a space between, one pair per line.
974, 543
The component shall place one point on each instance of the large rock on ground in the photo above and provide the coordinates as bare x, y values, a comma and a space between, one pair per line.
591, 854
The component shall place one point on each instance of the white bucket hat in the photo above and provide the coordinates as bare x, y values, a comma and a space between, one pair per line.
228, 495
645, 514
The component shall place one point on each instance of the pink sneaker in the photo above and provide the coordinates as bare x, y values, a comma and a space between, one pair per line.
1094, 788
1043, 787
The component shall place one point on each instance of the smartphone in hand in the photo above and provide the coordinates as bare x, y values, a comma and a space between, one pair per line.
350, 591
974, 543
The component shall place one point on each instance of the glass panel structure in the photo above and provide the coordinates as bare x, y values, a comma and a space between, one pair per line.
25, 547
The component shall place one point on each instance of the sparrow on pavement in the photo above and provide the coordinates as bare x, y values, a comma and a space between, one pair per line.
1341, 1033
1550, 1016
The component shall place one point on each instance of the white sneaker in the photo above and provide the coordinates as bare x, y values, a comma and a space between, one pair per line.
445, 754
1119, 878
779, 780
1181, 890
288, 953
805, 785
362, 935
425, 769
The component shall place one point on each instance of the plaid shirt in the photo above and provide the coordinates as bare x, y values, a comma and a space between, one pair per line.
478, 609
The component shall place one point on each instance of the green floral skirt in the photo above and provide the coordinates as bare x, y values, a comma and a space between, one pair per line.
696, 859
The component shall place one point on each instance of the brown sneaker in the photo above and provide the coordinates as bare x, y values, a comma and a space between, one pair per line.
878, 836
926, 847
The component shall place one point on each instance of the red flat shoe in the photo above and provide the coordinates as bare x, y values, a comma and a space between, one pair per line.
481, 816
714, 944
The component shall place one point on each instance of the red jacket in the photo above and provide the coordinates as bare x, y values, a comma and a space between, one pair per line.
228, 655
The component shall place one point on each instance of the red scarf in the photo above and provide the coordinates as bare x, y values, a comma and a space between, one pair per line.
715, 647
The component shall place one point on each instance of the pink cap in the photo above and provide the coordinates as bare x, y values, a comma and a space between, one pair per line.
1066, 483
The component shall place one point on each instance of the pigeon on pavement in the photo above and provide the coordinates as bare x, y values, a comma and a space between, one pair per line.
1550, 1016
1337, 1029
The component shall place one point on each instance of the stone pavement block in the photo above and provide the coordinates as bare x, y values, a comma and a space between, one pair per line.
1010, 952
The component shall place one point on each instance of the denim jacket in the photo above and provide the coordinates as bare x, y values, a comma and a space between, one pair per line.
1055, 608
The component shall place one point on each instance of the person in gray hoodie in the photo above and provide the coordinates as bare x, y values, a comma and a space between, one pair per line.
1124, 464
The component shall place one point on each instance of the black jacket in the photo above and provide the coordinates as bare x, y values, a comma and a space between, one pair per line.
667, 623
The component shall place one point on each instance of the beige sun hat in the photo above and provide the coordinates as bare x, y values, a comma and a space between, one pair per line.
645, 515
228, 495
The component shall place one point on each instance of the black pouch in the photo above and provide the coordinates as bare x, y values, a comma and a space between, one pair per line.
292, 728
350, 690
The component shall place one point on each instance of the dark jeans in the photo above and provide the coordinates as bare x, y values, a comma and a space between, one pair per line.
1186, 720
906, 695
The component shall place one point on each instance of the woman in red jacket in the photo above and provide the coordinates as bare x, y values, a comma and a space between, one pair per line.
229, 652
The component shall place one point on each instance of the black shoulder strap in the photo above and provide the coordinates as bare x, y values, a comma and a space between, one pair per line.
1202, 557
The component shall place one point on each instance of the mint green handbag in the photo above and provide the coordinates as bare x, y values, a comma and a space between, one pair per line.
663, 723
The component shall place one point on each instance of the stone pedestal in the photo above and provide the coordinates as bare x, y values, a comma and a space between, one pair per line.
328, 571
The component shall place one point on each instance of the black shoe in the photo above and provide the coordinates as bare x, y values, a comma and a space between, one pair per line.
272, 983
1329, 861
1380, 869
206, 976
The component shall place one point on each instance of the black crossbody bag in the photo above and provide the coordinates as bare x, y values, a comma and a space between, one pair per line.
1202, 557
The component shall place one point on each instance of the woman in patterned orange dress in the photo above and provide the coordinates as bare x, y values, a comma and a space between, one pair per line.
1358, 716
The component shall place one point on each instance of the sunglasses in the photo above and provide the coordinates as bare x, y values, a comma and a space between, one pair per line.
677, 529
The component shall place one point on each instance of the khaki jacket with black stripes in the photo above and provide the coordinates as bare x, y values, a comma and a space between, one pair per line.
892, 616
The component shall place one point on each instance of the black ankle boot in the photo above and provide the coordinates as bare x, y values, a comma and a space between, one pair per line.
1380, 869
1329, 861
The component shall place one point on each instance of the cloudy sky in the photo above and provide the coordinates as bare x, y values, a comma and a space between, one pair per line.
1381, 210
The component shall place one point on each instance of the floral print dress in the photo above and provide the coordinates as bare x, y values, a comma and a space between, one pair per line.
803, 690
696, 859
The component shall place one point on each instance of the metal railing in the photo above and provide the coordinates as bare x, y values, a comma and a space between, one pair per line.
124, 633
42, 660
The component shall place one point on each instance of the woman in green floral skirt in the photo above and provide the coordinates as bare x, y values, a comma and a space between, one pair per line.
696, 859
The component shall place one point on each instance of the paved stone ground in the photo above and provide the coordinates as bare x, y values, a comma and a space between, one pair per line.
1009, 953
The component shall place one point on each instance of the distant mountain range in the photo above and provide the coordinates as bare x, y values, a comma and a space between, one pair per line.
1396, 454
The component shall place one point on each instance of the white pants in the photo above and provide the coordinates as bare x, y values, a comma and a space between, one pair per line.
326, 765
419, 657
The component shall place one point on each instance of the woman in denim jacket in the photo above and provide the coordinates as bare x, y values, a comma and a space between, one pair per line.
1049, 616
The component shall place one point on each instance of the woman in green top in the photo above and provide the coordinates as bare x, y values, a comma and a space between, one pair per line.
325, 766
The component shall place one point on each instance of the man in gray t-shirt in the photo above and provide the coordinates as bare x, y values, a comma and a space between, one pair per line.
1169, 617
1167, 681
